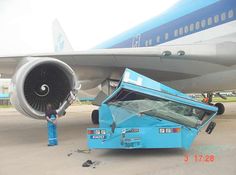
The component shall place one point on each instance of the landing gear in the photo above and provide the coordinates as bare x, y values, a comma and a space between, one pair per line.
95, 117
107, 87
220, 106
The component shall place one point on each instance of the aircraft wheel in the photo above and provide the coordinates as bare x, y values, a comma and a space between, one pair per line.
95, 117
221, 108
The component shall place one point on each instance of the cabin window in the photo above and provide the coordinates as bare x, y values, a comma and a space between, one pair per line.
216, 18
166, 36
191, 28
203, 23
186, 29
176, 33
181, 31
150, 42
158, 39
209, 21
230, 14
197, 25
223, 16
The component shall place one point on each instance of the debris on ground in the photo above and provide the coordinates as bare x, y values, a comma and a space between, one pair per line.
90, 163
69, 154
95, 164
85, 151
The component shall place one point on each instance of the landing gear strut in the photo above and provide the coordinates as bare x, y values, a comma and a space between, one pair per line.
220, 106
108, 86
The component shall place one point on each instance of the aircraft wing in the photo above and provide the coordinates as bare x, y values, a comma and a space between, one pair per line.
43, 78
206, 58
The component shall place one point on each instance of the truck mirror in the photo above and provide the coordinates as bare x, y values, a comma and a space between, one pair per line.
210, 127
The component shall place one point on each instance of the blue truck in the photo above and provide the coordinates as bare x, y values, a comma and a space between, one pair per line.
143, 113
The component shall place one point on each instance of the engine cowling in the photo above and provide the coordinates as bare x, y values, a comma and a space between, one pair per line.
39, 81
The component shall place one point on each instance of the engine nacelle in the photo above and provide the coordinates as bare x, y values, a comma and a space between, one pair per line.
39, 81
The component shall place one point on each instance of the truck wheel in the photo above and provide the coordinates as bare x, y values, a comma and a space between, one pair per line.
210, 127
95, 117
221, 108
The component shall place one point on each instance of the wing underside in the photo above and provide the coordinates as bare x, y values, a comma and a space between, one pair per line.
162, 63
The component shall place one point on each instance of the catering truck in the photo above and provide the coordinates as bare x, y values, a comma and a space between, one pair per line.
143, 113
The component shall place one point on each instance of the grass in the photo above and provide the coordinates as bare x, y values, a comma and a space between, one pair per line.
5, 106
218, 99
229, 99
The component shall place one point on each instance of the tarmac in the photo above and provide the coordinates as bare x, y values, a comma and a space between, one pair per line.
24, 150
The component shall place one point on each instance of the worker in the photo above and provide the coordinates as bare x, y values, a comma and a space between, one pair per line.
51, 117
205, 100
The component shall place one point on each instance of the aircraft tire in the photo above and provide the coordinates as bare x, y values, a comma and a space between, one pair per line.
221, 108
95, 117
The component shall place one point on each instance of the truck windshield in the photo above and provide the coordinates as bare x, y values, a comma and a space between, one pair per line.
160, 108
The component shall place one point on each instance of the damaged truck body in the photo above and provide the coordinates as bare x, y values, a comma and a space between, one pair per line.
143, 113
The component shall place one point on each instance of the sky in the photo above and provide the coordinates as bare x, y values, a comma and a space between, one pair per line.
26, 25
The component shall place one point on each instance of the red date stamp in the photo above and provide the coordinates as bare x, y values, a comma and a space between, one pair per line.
199, 158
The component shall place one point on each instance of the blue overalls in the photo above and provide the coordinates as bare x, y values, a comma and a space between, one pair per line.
52, 132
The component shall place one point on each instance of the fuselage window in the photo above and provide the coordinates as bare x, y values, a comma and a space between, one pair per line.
158, 39
203, 23
191, 28
166, 36
150, 42
230, 14
197, 25
223, 16
216, 18
209, 21
186, 29
181, 31
176, 33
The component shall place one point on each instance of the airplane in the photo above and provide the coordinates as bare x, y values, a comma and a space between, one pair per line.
190, 47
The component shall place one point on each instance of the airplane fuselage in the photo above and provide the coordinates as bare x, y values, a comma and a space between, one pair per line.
206, 33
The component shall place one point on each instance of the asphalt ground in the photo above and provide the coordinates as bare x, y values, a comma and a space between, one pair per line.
24, 150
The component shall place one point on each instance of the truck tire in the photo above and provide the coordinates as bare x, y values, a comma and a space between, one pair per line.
95, 117
210, 127
221, 108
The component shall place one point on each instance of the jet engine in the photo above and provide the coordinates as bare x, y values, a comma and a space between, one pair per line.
39, 81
